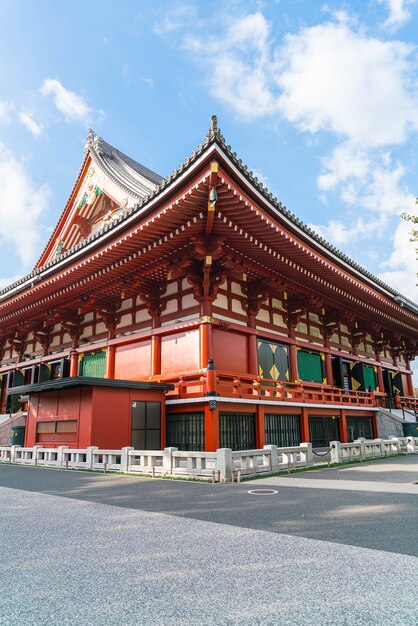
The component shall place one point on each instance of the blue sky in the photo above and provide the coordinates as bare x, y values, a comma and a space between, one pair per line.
319, 100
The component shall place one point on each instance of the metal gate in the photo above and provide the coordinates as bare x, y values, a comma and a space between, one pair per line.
282, 430
359, 426
237, 430
323, 429
145, 425
185, 431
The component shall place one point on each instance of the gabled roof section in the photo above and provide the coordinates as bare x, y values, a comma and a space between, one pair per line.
120, 169
127, 172
106, 172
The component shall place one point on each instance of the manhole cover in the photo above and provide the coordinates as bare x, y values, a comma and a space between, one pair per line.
262, 492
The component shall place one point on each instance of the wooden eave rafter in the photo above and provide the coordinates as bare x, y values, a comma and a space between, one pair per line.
260, 196
181, 215
150, 240
250, 228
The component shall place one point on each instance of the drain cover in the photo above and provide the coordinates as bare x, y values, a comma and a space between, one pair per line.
262, 492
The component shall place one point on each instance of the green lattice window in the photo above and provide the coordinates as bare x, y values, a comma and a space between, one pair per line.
310, 366
369, 377
94, 364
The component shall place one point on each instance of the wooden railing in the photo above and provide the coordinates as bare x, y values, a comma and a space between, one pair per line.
397, 402
230, 385
408, 403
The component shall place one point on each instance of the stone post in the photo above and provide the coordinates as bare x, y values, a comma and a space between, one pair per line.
410, 446
13, 453
336, 455
124, 459
308, 455
361, 441
224, 464
168, 460
89, 456
274, 458
396, 441
35, 454
60, 454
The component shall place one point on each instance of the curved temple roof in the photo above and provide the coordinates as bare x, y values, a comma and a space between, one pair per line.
122, 168
146, 185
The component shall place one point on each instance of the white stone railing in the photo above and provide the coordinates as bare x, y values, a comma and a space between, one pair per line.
270, 459
223, 465
363, 449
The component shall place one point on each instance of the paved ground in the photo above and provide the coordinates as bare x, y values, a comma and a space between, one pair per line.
84, 549
398, 469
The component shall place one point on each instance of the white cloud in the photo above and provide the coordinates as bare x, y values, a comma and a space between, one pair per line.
261, 178
330, 77
21, 206
71, 105
339, 80
9, 280
345, 162
26, 117
5, 109
398, 13
340, 234
240, 66
332, 80
175, 19
400, 269
385, 193
366, 179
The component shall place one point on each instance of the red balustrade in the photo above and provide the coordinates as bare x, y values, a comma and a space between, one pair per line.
230, 385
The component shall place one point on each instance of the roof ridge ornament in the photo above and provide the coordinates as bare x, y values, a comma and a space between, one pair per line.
213, 132
92, 140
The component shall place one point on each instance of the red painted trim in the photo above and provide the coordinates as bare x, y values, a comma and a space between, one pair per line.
211, 419
343, 427
260, 430
304, 426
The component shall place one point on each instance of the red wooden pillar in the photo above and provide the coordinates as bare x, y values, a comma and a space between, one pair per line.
211, 417
252, 354
110, 362
380, 382
409, 381
260, 431
206, 343
374, 426
304, 426
252, 347
343, 427
73, 363
328, 369
155, 355
293, 359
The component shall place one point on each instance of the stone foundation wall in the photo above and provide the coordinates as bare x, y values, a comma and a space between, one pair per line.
6, 428
388, 425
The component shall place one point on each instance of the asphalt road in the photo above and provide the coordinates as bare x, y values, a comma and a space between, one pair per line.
91, 550
381, 521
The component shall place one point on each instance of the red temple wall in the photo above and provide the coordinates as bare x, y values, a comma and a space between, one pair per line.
56, 406
180, 352
230, 351
133, 361
111, 418
102, 414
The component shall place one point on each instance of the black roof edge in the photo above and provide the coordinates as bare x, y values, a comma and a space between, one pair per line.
215, 136
87, 381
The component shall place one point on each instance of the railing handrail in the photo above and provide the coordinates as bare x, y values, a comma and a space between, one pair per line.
219, 465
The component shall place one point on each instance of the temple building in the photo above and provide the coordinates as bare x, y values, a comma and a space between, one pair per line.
196, 311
